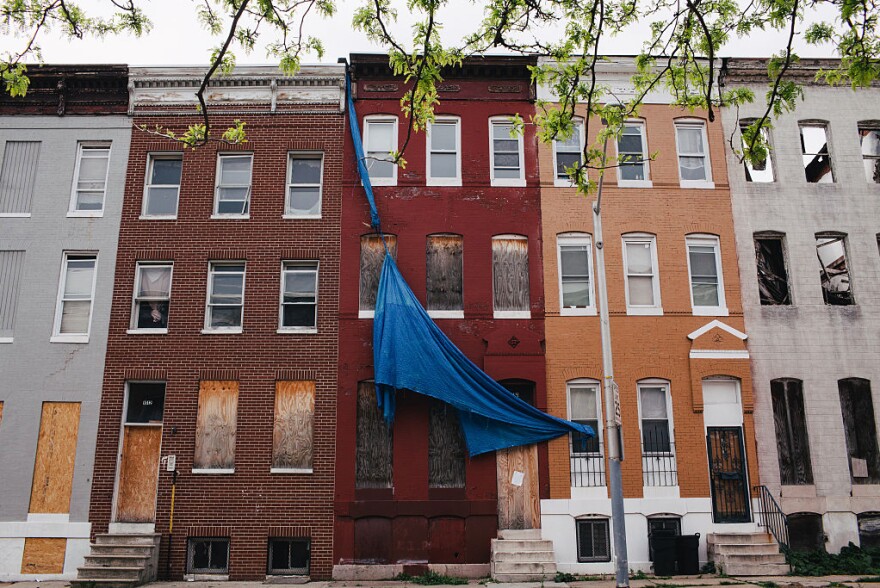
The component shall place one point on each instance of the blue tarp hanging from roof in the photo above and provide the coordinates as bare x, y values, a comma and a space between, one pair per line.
410, 352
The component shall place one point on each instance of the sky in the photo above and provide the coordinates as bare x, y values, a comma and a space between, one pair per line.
178, 38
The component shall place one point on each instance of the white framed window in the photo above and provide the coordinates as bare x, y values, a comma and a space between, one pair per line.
694, 168
642, 279
152, 297
380, 140
585, 408
233, 190
510, 277
299, 297
305, 178
223, 313
576, 292
659, 466
506, 166
632, 149
704, 269
90, 179
162, 185
568, 153
76, 294
443, 166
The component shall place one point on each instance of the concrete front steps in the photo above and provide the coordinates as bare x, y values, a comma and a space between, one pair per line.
522, 556
746, 554
119, 561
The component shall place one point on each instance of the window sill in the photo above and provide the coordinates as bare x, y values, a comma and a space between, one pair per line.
443, 182
206, 577
157, 217
383, 181
637, 184
510, 183
297, 331
557, 183
146, 332
69, 339
230, 216
290, 470
512, 314
645, 311
15, 215
569, 311
84, 214
446, 314
697, 185
710, 311
366, 314
301, 216
213, 470
233, 331
4, 340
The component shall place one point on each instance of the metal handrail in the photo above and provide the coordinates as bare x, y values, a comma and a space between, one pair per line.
772, 516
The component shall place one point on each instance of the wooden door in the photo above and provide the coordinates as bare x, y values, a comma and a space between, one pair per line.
727, 474
518, 501
138, 474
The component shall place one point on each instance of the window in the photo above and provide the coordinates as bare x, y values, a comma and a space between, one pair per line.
592, 540
869, 138
299, 296
661, 527
233, 185
216, 426
510, 276
860, 428
90, 179
146, 402
836, 285
208, 556
152, 293
568, 153
806, 532
704, 268
162, 189
817, 159
293, 427
225, 297
444, 152
658, 447
373, 458
642, 282
759, 171
446, 447
772, 275
869, 529
632, 151
289, 556
380, 141
693, 155
587, 462
574, 251
792, 441
305, 174
372, 257
75, 296
506, 153
444, 271
11, 264
18, 177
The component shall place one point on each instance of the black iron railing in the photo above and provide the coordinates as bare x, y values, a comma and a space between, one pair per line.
771, 516
659, 467
587, 462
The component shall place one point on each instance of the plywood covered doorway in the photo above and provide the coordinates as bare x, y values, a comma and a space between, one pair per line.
139, 462
517, 468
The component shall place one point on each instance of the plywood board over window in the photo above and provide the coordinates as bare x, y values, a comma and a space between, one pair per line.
446, 448
216, 425
444, 272
56, 455
294, 417
372, 257
373, 463
43, 556
510, 273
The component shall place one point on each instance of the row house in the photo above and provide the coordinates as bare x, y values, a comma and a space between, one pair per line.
63, 156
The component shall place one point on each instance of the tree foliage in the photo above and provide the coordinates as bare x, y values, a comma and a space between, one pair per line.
678, 54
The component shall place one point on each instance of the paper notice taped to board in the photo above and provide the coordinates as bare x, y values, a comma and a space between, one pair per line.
517, 478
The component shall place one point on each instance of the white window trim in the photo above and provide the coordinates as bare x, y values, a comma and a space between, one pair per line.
708, 183
512, 182
151, 157
366, 314
655, 309
576, 239
646, 159
566, 182
291, 470
429, 180
15, 215
72, 212
297, 263
600, 417
392, 181
57, 336
218, 215
288, 185
707, 241
446, 314
133, 329
213, 470
209, 330
657, 383
4, 340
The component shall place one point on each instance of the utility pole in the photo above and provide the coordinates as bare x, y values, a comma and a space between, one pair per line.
612, 398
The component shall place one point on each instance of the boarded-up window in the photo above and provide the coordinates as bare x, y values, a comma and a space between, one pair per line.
18, 175
294, 416
216, 426
446, 448
836, 284
444, 272
860, 429
805, 532
372, 256
792, 442
10, 282
510, 273
869, 529
56, 456
772, 275
374, 441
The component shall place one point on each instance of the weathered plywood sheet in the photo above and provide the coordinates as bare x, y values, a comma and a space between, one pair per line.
216, 425
1, 412
446, 448
444, 272
294, 416
372, 257
510, 273
56, 456
518, 505
373, 460
139, 474
43, 556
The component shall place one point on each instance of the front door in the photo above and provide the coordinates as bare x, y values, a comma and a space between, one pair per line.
727, 475
517, 469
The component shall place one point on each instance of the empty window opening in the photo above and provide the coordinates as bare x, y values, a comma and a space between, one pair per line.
792, 441
289, 556
836, 285
446, 447
592, 540
444, 271
522, 389
816, 157
805, 532
772, 275
373, 458
208, 556
146, 402
758, 171
869, 138
860, 429
372, 257
869, 530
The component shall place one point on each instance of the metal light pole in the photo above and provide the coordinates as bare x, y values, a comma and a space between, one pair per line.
612, 398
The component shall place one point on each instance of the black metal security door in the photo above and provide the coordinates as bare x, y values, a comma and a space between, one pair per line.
727, 475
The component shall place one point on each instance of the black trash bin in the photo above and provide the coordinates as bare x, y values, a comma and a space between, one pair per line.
664, 555
687, 552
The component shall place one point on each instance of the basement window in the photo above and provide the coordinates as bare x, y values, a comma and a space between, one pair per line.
772, 275
836, 285
816, 157
805, 532
208, 556
593, 540
289, 556
869, 529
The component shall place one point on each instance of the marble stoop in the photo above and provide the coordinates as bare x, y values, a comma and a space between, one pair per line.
522, 556
746, 554
119, 561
